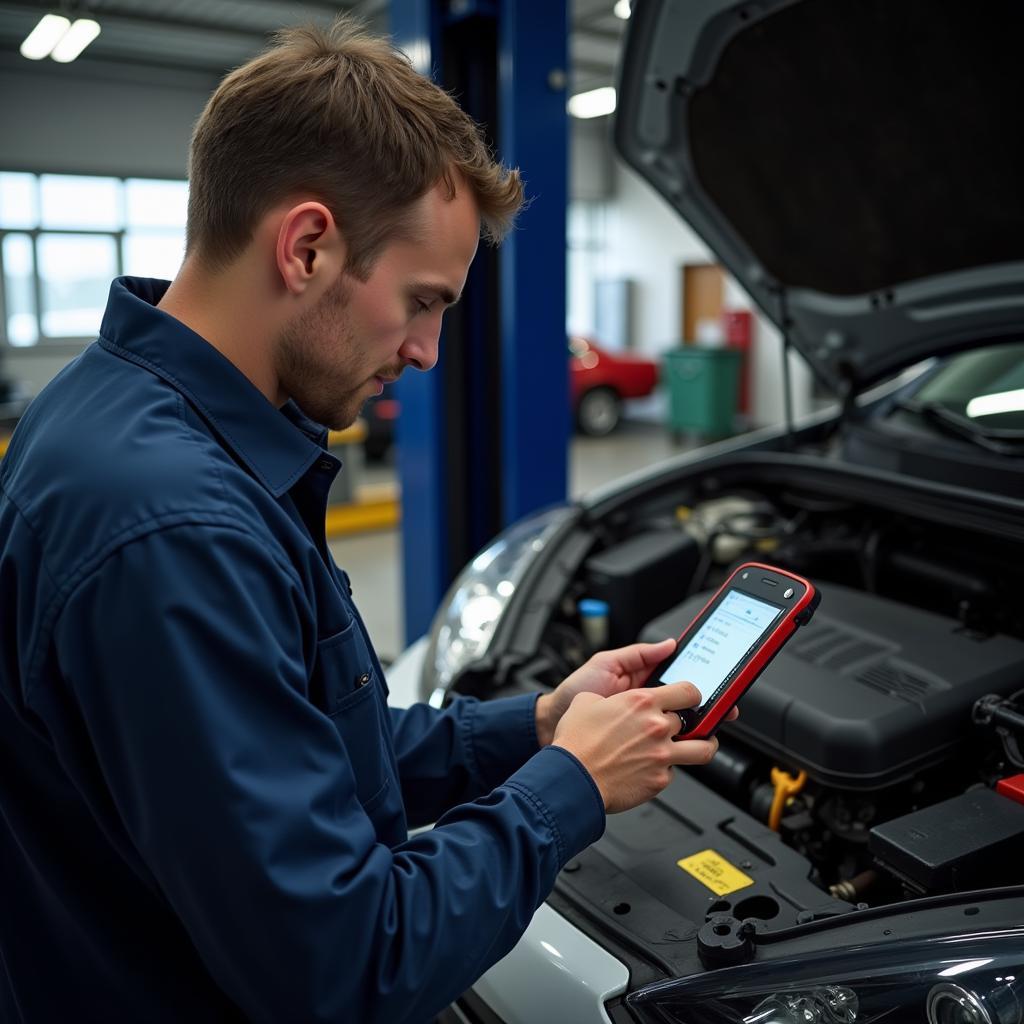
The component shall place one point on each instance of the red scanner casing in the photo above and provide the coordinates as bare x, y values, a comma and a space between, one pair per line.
701, 722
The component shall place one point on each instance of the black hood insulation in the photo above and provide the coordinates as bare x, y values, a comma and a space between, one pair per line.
914, 169
855, 164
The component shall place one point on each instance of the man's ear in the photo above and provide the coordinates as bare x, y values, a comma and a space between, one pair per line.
310, 250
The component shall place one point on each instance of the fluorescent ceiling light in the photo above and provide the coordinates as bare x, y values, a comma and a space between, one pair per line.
594, 103
622, 9
44, 37
992, 405
76, 39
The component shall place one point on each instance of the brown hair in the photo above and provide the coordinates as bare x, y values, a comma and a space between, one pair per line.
340, 115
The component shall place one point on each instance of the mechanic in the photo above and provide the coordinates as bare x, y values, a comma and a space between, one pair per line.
205, 798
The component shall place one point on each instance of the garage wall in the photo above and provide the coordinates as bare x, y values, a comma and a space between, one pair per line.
591, 172
647, 241
100, 120
644, 239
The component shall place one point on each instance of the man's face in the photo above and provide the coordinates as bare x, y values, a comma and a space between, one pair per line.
364, 333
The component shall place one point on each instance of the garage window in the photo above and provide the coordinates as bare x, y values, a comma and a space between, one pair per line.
63, 237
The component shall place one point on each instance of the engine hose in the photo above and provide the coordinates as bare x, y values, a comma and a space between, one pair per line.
1002, 715
852, 889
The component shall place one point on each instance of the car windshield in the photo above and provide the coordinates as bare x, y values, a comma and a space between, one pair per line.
984, 390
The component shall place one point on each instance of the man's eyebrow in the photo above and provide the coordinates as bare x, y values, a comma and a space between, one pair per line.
442, 292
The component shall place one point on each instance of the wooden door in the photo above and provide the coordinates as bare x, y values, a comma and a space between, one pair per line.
703, 287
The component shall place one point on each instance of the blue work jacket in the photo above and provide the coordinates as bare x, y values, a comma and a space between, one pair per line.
204, 797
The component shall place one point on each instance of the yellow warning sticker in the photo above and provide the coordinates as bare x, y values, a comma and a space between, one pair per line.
714, 871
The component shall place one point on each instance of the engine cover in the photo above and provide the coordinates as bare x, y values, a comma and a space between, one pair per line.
868, 693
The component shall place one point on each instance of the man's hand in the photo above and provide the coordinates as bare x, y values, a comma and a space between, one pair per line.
625, 740
605, 674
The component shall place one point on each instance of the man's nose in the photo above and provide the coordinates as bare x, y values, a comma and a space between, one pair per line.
420, 349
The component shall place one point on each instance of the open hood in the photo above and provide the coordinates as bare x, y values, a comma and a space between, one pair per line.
856, 164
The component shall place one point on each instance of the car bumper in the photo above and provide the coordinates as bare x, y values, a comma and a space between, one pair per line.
555, 973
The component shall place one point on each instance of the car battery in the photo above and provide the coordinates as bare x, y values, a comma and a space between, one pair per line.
974, 840
640, 578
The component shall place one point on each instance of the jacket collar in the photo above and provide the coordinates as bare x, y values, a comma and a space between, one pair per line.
277, 445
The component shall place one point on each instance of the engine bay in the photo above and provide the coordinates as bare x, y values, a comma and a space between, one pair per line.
872, 747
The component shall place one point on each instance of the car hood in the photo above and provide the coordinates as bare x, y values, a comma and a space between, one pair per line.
855, 164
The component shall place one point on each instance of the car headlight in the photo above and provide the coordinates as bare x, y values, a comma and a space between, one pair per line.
464, 626
972, 979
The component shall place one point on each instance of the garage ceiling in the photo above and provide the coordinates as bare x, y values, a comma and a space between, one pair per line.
215, 35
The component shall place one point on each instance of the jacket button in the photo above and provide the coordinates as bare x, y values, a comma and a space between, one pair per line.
363, 679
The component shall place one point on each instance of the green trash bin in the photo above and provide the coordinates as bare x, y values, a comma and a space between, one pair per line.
703, 385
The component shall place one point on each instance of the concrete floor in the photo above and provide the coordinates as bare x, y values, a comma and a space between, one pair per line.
373, 560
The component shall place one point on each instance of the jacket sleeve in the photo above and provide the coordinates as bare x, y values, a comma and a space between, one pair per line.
187, 652
448, 757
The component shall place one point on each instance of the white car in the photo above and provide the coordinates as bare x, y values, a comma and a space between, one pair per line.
855, 852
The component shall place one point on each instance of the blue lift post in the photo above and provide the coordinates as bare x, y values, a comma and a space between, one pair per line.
483, 438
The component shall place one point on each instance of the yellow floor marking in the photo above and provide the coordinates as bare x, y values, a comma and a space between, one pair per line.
361, 516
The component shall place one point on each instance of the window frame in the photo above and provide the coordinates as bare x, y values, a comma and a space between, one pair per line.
65, 344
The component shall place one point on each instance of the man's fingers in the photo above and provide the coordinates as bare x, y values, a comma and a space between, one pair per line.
676, 695
694, 751
651, 654
640, 657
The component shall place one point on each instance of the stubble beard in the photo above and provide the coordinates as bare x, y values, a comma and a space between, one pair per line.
307, 362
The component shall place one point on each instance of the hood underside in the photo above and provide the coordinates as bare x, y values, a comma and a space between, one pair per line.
856, 164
